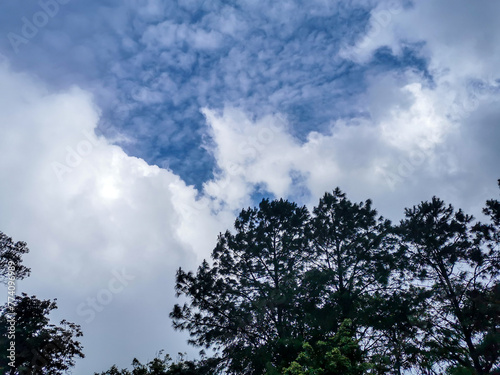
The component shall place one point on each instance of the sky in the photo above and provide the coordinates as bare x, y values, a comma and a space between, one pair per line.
132, 132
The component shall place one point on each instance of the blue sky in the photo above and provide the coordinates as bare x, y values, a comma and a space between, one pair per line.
133, 131
152, 68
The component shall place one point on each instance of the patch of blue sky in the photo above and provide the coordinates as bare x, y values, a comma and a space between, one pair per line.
260, 192
409, 58
300, 192
152, 68
295, 72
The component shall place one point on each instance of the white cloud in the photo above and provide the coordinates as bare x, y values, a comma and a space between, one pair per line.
381, 31
459, 37
409, 150
87, 209
249, 153
168, 33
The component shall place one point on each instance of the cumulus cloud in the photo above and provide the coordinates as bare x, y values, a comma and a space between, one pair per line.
395, 101
455, 36
458, 42
409, 149
88, 212
153, 65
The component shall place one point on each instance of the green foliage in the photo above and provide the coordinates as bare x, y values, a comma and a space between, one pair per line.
284, 278
342, 291
443, 249
460, 370
165, 366
340, 354
248, 302
397, 317
351, 257
40, 347
11, 252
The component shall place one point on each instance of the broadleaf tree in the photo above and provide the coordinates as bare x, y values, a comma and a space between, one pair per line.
164, 365
39, 346
11, 253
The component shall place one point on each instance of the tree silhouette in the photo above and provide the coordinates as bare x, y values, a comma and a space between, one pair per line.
342, 291
165, 366
442, 250
40, 347
350, 259
248, 303
340, 354
11, 253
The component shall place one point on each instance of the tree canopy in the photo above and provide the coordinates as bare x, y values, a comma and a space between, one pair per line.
164, 365
250, 299
12, 252
39, 347
342, 290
